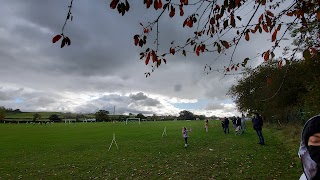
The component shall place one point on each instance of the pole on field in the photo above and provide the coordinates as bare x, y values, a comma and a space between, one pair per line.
164, 131
113, 140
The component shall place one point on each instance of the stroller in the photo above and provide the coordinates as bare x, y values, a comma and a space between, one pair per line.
238, 130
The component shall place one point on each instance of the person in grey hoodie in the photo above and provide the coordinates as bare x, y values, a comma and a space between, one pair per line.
309, 151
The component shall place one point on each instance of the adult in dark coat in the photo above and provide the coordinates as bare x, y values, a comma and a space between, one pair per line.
226, 125
257, 125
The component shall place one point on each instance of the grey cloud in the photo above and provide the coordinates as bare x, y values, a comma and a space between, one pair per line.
177, 87
214, 107
102, 58
138, 96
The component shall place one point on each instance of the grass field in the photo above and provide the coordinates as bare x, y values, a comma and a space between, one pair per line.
80, 151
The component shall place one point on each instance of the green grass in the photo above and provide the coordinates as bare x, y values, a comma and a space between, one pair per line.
80, 151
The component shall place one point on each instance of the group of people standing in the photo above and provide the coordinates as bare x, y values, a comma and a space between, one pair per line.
309, 151
239, 124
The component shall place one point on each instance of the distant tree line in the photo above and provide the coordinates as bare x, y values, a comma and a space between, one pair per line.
100, 116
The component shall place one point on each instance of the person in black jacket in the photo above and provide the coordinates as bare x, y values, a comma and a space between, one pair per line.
257, 125
226, 125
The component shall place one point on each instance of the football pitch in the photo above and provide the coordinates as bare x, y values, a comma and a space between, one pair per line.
151, 150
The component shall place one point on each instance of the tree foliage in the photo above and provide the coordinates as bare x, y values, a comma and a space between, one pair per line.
141, 116
102, 115
55, 118
269, 90
36, 116
219, 26
2, 113
186, 115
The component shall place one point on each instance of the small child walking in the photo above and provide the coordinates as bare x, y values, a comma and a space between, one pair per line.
185, 136
206, 125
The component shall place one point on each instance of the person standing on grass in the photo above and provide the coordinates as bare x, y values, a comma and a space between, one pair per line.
257, 125
226, 125
309, 151
243, 123
206, 125
185, 136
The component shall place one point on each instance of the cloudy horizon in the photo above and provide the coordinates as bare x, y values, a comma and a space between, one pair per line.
101, 69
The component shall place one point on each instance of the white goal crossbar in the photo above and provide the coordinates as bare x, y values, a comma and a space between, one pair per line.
129, 119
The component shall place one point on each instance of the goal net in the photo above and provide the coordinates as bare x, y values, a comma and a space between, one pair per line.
133, 120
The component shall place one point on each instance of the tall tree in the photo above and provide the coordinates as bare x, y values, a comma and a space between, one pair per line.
2, 113
280, 93
219, 26
187, 115
102, 115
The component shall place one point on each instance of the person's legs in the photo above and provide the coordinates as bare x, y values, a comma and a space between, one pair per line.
186, 141
228, 129
261, 139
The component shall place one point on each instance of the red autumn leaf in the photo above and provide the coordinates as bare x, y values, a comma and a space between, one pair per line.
190, 23
290, 14
64, 42
155, 4
159, 4
261, 18
203, 47
114, 4
318, 15
186, 2
274, 35
136, 39
266, 55
232, 21
237, 2
198, 49
172, 12
227, 69
212, 20
280, 64
247, 37
147, 59
185, 22
127, 5
172, 51
181, 12
265, 27
269, 13
146, 30
154, 56
56, 38
148, 3
225, 44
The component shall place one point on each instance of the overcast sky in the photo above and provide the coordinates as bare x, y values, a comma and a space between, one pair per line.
101, 69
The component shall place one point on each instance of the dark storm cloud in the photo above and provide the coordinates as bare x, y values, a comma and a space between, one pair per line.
143, 100
121, 104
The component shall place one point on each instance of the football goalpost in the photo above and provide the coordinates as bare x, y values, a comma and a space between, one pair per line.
132, 119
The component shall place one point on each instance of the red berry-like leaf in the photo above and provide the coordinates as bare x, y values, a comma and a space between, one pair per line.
56, 38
